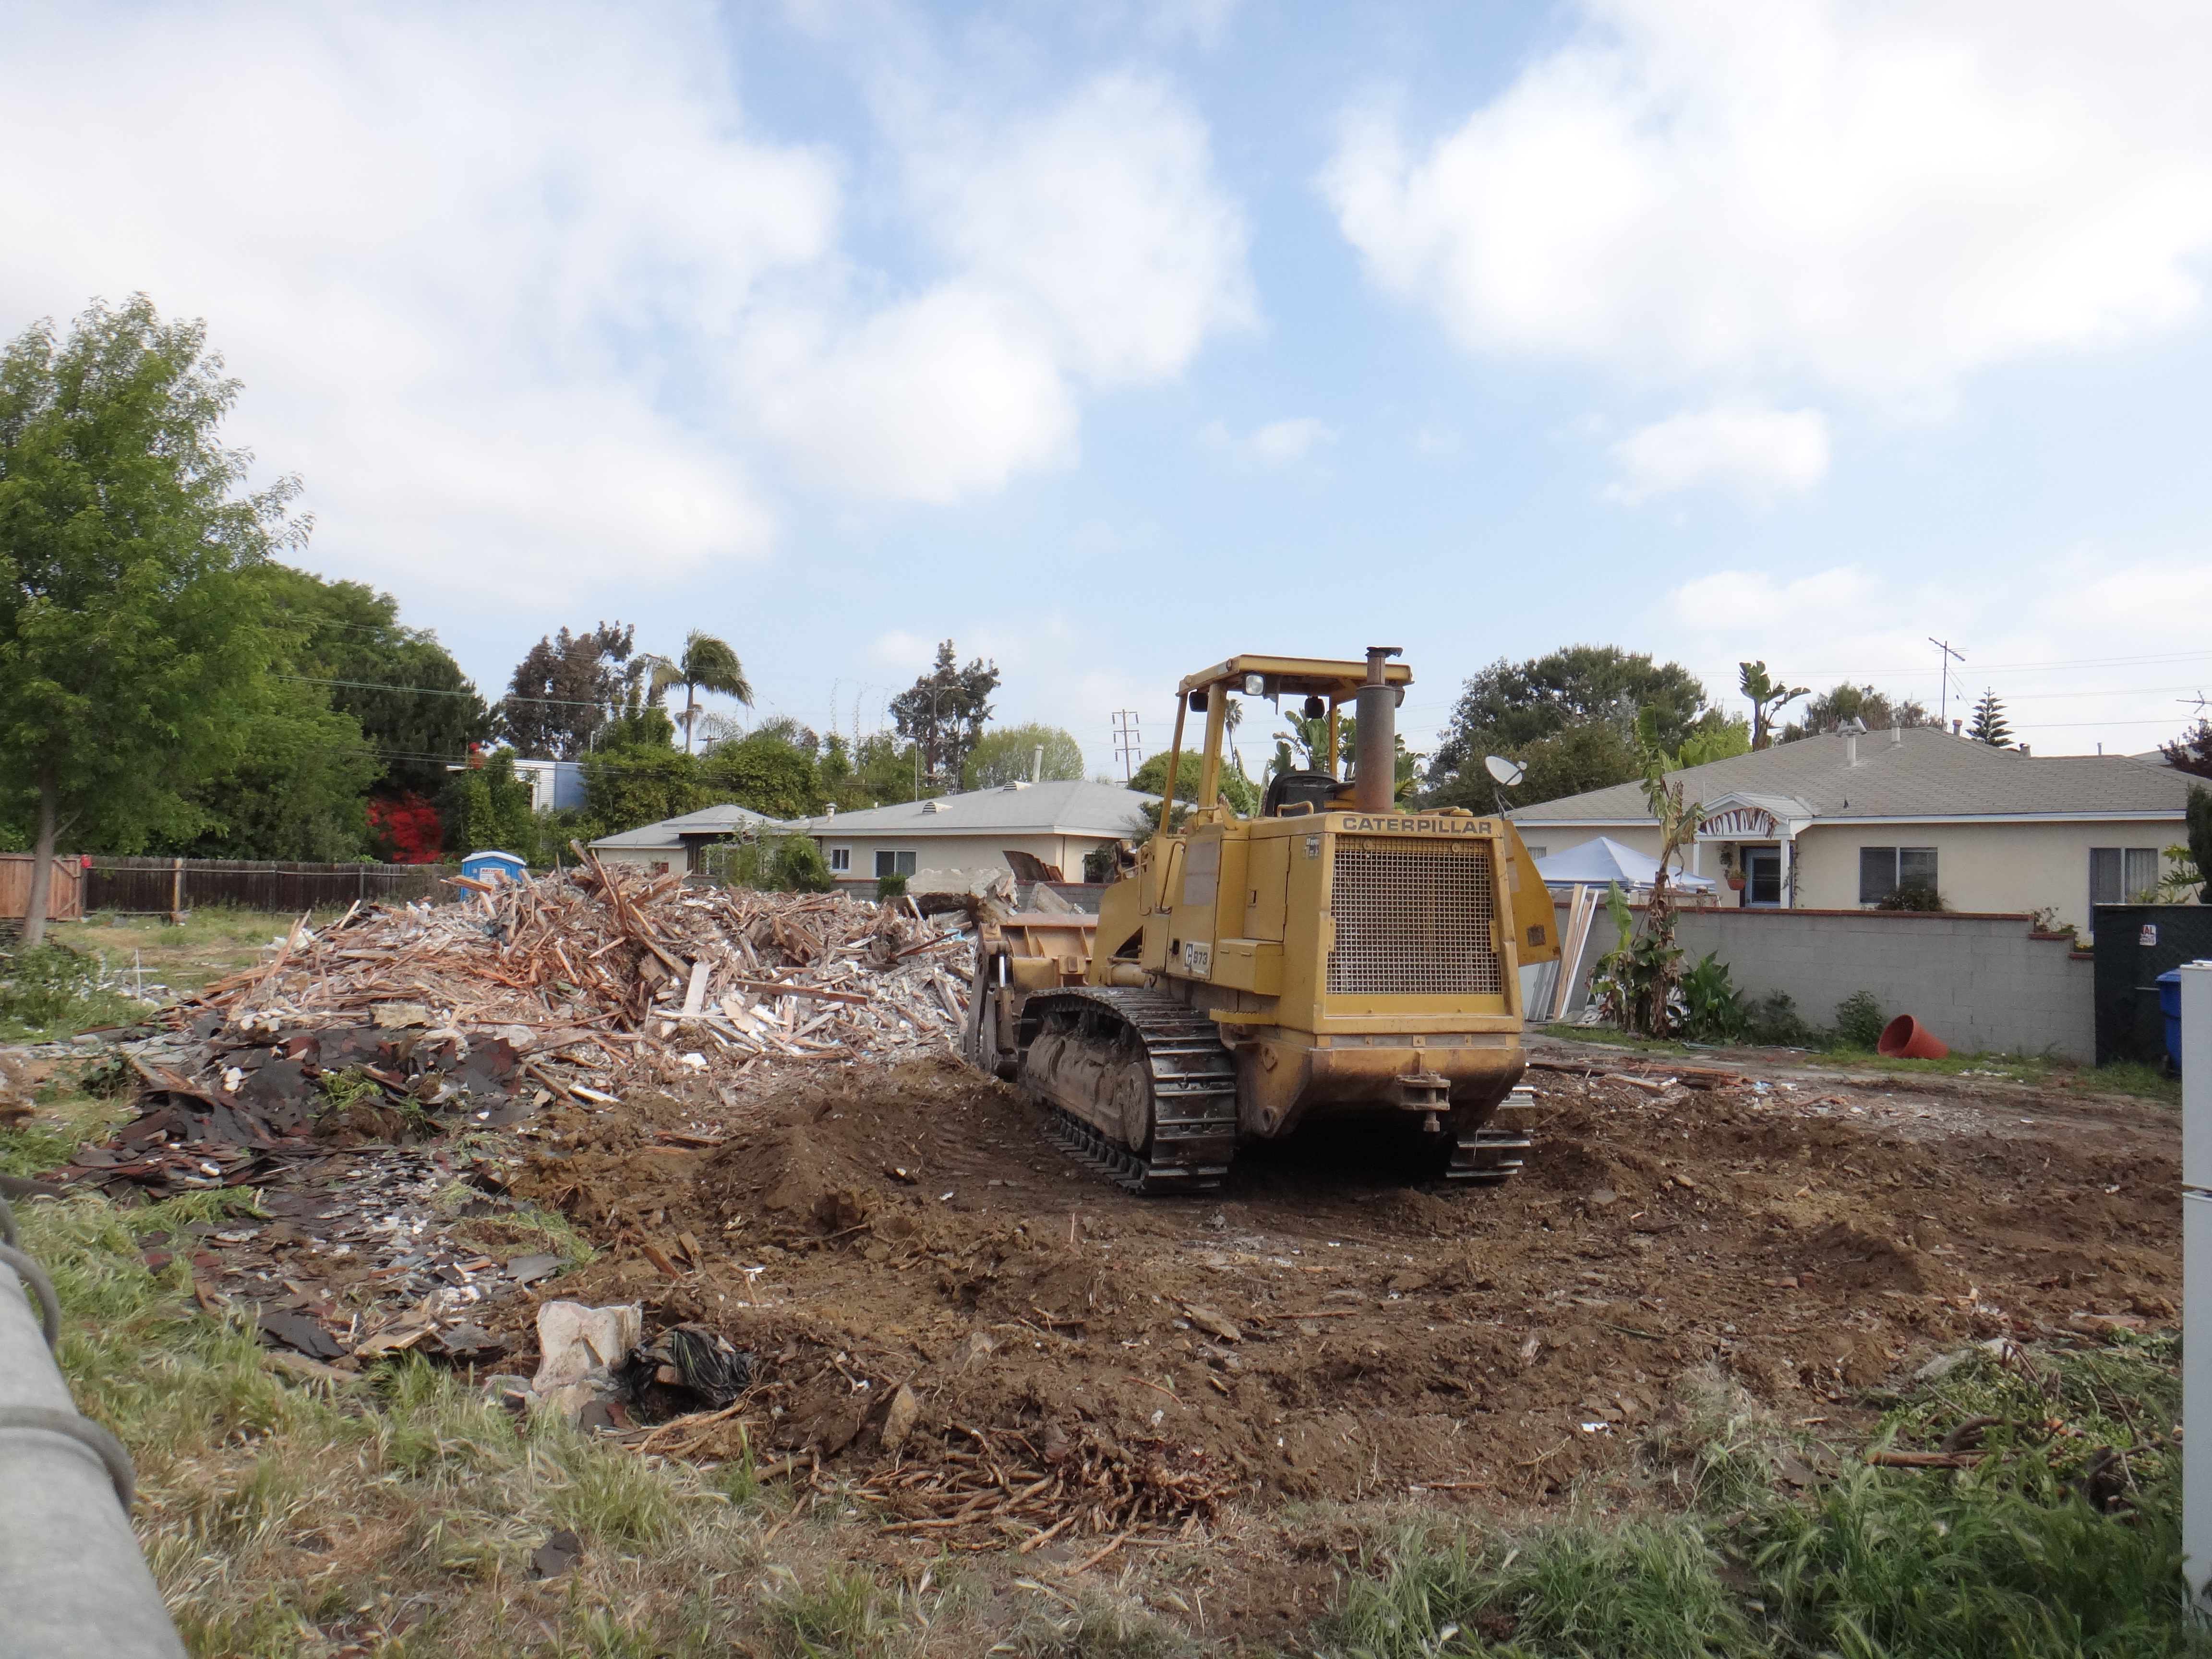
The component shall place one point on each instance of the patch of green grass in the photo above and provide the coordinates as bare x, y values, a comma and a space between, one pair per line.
50, 991
846, 1615
45, 1141
1652, 1588
2009, 1560
2133, 1077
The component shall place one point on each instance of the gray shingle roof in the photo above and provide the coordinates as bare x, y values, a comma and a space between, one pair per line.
707, 821
1930, 774
1079, 808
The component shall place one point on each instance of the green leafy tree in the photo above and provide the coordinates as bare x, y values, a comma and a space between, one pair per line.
135, 649
418, 712
629, 788
1594, 755
493, 810
1766, 697
1862, 702
877, 771
1988, 724
1510, 708
943, 714
296, 787
2192, 750
2200, 838
766, 772
1715, 738
708, 664
781, 863
1007, 756
567, 689
1242, 793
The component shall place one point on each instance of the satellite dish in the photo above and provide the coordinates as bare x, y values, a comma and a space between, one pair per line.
1507, 772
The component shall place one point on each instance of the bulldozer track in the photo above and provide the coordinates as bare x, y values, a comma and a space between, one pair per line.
1193, 1079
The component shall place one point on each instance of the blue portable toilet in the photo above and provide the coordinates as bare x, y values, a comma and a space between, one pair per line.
2169, 1004
488, 867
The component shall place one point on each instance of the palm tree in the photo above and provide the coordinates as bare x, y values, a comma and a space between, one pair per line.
708, 665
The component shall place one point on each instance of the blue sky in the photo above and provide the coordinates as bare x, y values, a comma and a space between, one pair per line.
1109, 339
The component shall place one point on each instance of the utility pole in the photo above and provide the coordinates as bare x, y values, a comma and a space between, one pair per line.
1943, 691
1128, 742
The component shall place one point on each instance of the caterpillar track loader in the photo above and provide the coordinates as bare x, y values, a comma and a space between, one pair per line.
1332, 955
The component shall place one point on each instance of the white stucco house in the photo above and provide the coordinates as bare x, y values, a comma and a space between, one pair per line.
1055, 823
1838, 822
675, 843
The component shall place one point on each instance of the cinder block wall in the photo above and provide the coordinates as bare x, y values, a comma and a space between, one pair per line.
1982, 983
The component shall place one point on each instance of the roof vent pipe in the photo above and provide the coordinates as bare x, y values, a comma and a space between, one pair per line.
1375, 753
1896, 734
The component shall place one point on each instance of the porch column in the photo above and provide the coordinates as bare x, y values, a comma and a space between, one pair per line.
1787, 899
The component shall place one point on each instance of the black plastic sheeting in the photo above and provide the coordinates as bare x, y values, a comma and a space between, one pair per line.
2137, 943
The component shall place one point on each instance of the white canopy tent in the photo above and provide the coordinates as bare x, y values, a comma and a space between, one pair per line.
1584, 872
1594, 863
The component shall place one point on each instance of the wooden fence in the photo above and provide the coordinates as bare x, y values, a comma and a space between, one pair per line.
151, 886
64, 896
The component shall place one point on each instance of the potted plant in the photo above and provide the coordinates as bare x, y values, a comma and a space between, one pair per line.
1730, 871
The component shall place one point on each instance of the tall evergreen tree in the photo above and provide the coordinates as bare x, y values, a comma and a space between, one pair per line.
1989, 725
944, 712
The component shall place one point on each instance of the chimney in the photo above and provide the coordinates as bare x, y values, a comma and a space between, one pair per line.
1851, 748
1036, 764
1955, 725
1896, 736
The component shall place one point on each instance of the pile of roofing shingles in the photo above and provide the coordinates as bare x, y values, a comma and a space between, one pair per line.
327, 1075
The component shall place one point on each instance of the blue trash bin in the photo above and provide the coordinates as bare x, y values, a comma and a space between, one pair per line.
2169, 1004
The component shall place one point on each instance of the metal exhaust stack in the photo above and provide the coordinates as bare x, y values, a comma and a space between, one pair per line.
1375, 753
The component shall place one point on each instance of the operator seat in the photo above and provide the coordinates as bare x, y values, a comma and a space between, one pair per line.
1307, 791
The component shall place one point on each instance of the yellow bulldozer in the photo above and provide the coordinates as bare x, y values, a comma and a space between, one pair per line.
1332, 955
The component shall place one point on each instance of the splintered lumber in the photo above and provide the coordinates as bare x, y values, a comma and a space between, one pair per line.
600, 962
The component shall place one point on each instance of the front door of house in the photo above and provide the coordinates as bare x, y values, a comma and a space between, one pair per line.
1762, 870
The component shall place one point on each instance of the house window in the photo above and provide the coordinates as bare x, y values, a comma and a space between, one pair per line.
894, 864
2120, 875
1539, 852
840, 860
1883, 870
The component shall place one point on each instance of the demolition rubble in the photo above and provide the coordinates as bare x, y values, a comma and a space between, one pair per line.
699, 1171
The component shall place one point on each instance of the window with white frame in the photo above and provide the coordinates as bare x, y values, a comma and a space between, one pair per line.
891, 863
841, 861
2121, 875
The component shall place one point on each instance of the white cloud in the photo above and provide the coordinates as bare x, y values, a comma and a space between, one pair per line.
529, 292
1275, 443
1760, 453
1867, 197
1091, 248
2066, 640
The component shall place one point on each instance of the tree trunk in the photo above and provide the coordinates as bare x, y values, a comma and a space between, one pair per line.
690, 713
42, 859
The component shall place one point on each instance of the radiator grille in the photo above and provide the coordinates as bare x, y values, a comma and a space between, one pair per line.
1412, 919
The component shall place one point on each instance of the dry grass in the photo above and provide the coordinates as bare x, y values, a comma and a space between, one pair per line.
397, 1515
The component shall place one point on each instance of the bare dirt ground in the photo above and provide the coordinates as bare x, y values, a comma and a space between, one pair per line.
1106, 1379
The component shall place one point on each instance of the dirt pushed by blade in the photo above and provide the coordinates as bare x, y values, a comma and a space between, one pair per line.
1320, 1329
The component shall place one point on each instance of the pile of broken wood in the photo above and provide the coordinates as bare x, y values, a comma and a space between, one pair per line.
375, 1027
1000, 1488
